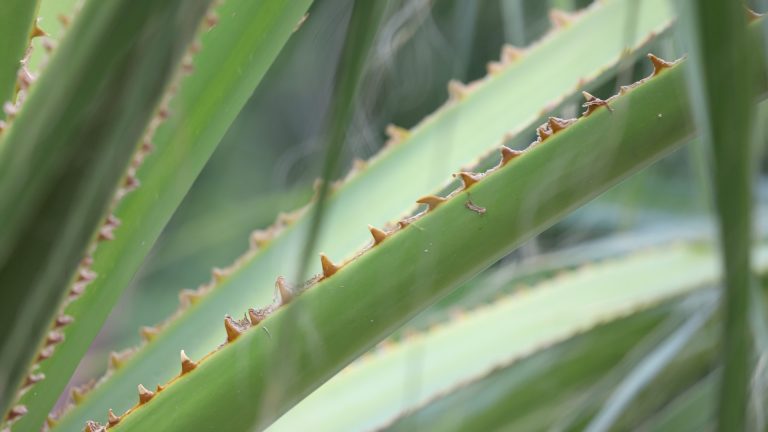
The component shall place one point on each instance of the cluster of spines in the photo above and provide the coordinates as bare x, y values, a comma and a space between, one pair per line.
106, 232
285, 293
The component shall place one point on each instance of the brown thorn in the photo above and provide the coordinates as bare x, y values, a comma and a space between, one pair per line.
659, 64
187, 365
112, 418
85, 275
144, 394
50, 421
92, 426
233, 329
329, 268
592, 103
378, 235
16, 412
159, 388
62, 320
468, 179
189, 297
45, 353
211, 19
432, 201
34, 379
507, 154
283, 290
36, 30
396, 133
257, 315
557, 124
54, 337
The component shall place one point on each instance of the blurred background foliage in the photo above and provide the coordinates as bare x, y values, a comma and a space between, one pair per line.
272, 154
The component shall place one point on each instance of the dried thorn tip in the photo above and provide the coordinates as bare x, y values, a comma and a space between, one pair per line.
144, 394
92, 426
592, 103
283, 290
113, 419
510, 53
233, 329
187, 365
256, 316
329, 268
468, 178
432, 201
457, 90
378, 235
557, 124
507, 154
16, 412
659, 64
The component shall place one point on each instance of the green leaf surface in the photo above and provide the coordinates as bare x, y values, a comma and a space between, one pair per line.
16, 23
235, 55
260, 375
374, 391
453, 137
61, 160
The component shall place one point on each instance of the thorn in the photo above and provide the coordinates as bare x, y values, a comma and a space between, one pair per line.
189, 297
25, 78
144, 394
10, 110
112, 418
457, 90
396, 134
507, 154
510, 53
159, 388
211, 19
432, 201
163, 113
329, 268
659, 64
468, 179
260, 238
218, 274
77, 395
16, 412
45, 353
560, 18
117, 359
233, 329
36, 30
113, 221
283, 290
50, 421
92, 426
54, 337
86, 275
187, 66
148, 333
147, 146
543, 132
592, 103
557, 124
34, 379
106, 234
131, 182
257, 315
378, 235
64, 20
62, 320
494, 68
187, 365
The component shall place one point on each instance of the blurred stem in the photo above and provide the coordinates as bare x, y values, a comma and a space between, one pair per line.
361, 31
722, 91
